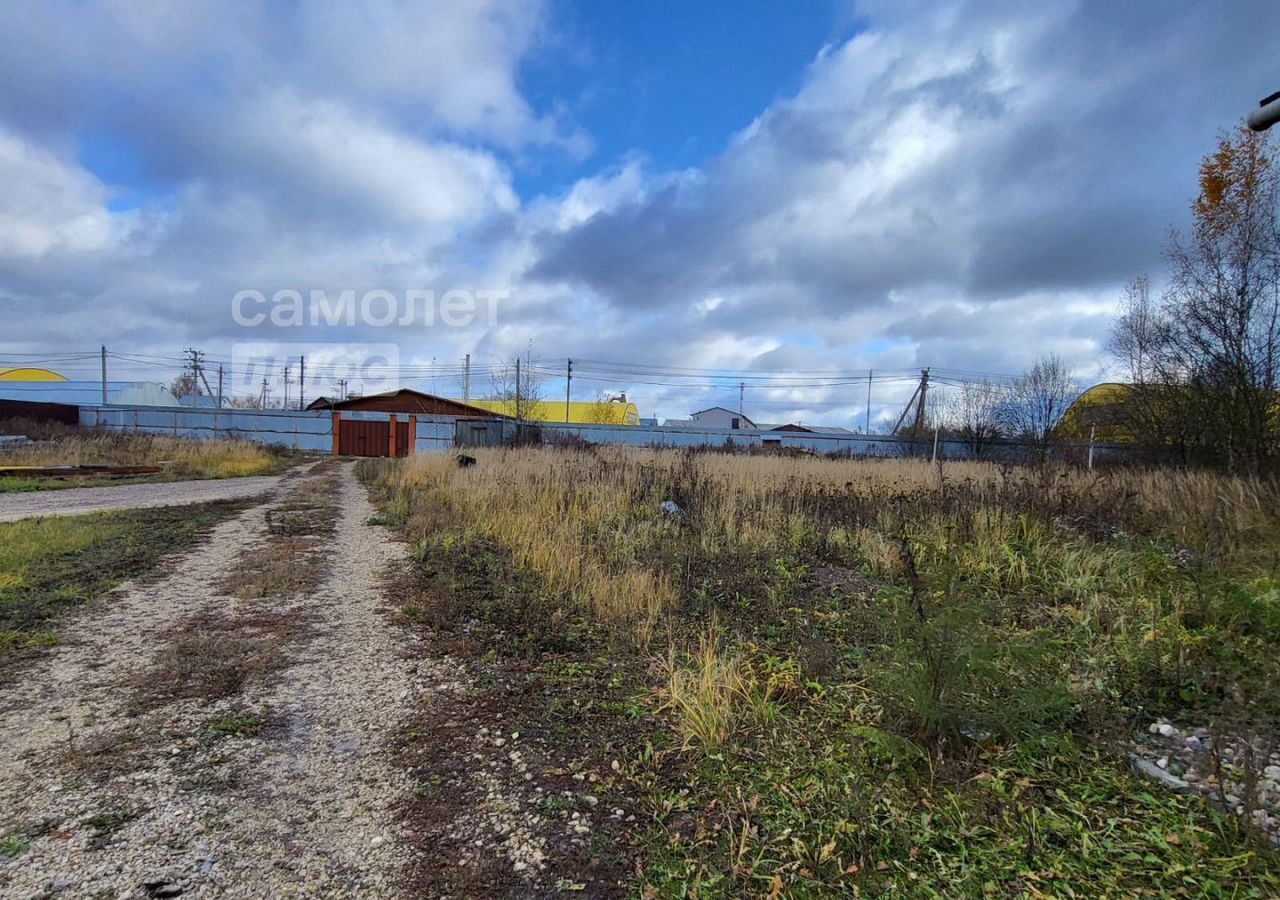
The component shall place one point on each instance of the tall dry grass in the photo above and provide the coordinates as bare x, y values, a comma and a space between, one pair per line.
590, 524
180, 457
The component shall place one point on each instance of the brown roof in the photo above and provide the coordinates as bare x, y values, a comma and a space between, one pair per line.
406, 400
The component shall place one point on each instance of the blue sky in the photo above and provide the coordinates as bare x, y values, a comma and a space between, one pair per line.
806, 187
672, 81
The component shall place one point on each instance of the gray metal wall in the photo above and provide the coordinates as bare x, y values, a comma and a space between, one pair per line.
313, 430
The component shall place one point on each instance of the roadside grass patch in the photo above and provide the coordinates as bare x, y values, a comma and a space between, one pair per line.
213, 656
49, 566
292, 561
13, 844
107, 823
182, 458
283, 567
236, 724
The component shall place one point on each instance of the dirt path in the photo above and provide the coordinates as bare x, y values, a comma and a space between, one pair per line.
128, 769
78, 501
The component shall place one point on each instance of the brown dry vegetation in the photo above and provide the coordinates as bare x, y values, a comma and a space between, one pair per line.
870, 675
293, 560
181, 458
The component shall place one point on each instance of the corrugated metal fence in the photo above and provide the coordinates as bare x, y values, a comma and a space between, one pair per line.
313, 430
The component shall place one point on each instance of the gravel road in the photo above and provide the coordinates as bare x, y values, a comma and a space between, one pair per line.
104, 797
78, 501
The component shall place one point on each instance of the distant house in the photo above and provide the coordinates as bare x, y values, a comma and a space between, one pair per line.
716, 417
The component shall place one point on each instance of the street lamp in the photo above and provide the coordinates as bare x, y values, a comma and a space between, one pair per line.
1267, 113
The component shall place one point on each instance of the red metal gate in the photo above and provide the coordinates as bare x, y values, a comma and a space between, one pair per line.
364, 438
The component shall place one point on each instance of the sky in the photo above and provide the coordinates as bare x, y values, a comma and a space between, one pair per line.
657, 190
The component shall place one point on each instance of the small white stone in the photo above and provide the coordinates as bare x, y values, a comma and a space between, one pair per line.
1167, 730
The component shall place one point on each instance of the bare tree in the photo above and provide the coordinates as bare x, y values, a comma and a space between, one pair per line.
600, 412
519, 387
185, 385
1224, 299
972, 415
1036, 401
1157, 407
1205, 360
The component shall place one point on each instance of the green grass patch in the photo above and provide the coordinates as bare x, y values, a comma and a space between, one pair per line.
51, 565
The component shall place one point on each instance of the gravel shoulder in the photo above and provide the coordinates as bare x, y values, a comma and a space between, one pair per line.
78, 501
286, 786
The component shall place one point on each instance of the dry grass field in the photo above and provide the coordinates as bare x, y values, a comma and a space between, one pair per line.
820, 677
180, 458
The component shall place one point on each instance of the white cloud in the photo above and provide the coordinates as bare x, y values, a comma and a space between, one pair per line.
50, 206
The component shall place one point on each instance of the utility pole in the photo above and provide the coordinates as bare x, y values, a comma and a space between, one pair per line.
197, 372
924, 396
342, 388
568, 382
518, 389
302, 380
741, 390
219, 387
104, 374
286, 387
871, 373
262, 401
920, 406
466, 379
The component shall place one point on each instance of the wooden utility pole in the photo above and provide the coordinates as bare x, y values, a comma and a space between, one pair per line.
219, 387
104, 374
518, 399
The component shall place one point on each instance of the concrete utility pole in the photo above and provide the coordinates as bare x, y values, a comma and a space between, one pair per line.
286, 387
871, 374
466, 379
104, 374
568, 384
742, 387
518, 403
302, 380
219, 387
1267, 113
262, 401
197, 372
924, 397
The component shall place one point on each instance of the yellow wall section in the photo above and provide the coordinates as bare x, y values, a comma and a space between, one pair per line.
579, 412
30, 375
